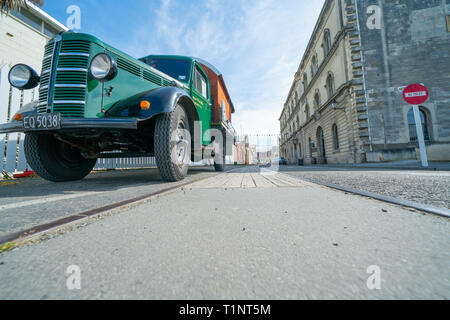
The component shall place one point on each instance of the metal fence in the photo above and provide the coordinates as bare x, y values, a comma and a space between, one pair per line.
12, 157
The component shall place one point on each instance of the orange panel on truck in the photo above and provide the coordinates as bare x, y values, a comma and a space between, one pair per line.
219, 94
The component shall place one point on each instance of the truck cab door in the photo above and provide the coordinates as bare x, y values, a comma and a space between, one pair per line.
201, 95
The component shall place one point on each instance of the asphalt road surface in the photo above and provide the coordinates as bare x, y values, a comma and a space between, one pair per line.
29, 202
423, 186
244, 234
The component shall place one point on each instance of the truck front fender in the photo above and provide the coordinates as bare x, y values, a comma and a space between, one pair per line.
162, 100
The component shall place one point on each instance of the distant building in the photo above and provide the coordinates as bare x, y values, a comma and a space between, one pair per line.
345, 104
275, 152
23, 35
239, 154
265, 156
243, 152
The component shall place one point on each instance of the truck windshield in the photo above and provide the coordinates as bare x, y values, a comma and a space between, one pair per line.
176, 68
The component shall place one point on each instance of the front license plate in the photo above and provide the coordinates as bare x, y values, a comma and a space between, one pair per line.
48, 121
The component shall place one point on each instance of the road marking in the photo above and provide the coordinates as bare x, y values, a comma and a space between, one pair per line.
46, 200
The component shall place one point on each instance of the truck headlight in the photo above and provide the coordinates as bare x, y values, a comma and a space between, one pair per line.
23, 77
103, 67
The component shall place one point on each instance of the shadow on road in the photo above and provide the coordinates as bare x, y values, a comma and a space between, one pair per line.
97, 181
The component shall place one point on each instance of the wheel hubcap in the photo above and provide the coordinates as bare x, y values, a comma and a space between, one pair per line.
181, 143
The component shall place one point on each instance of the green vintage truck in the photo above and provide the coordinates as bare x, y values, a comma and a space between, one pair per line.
98, 102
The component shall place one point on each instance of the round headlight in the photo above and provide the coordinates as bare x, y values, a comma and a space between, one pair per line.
103, 67
23, 77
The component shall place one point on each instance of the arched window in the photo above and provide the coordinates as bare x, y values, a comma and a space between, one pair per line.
314, 65
310, 147
330, 85
317, 101
305, 81
321, 142
326, 42
334, 128
307, 112
412, 125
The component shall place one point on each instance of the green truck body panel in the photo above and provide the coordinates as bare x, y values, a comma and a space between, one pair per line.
76, 94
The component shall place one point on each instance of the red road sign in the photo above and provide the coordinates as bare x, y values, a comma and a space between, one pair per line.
415, 94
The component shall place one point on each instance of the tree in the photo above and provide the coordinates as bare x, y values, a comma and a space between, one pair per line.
7, 5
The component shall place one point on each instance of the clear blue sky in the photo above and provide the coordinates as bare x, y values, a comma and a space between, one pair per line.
256, 44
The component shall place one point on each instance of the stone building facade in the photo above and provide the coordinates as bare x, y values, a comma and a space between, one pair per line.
345, 104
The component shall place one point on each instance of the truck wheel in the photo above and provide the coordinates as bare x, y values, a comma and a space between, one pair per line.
54, 160
172, 145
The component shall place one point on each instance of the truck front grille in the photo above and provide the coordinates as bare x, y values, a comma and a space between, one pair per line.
45, 76
64, 78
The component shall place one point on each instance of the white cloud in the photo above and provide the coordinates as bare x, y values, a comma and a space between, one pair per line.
257, 45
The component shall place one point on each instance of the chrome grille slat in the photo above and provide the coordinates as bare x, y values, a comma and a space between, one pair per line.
72, 69
63, 54
45, 76
70, 85
69, 102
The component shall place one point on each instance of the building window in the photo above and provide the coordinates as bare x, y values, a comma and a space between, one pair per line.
448, 23
330, 85
335, 136
307, 112
314, 65
50, 31
412, 125
317, 101
321, 142
28, 18
305, 81
310, 147
326, 42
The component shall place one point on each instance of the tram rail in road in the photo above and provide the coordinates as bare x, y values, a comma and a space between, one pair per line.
39, 227
443, 212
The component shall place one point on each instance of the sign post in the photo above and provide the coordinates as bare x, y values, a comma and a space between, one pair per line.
417, 94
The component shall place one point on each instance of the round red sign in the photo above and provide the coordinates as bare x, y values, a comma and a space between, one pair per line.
415, 94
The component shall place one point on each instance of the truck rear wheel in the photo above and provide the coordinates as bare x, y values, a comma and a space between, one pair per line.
173, 144
54, 160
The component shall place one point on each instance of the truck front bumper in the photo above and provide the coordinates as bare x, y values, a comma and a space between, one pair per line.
76, 123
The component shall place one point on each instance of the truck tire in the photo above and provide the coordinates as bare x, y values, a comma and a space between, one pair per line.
172, 146
54, 160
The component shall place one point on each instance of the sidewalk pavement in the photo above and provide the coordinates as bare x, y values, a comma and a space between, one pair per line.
402, 165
